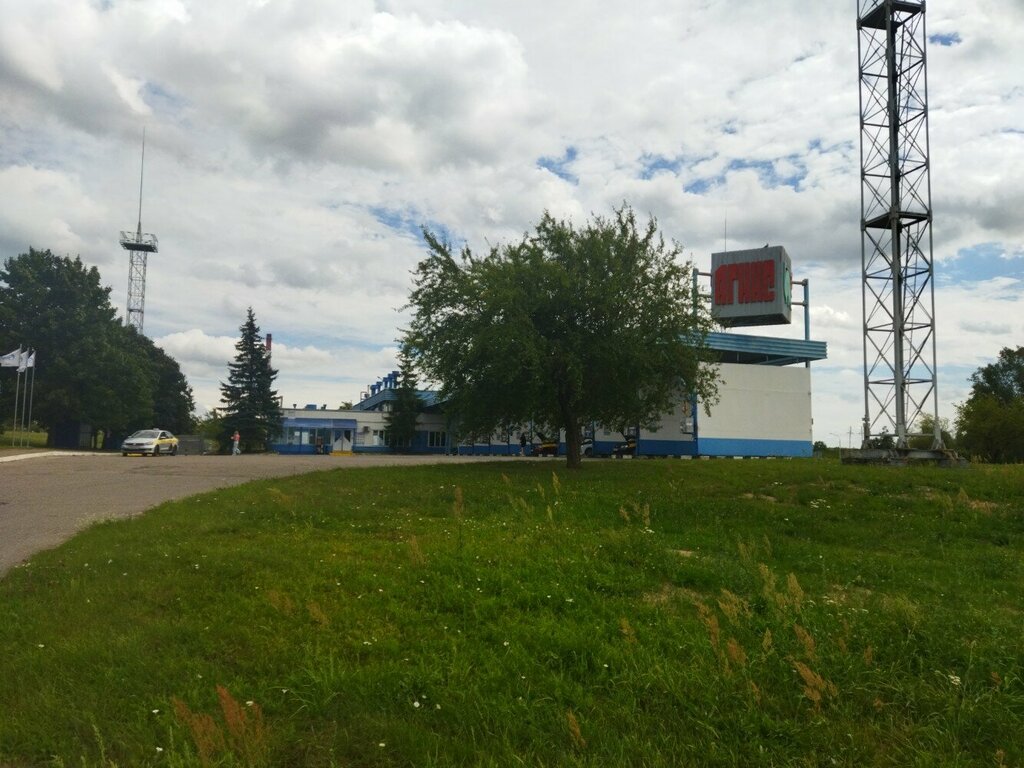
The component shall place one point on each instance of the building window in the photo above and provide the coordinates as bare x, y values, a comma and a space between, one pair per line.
380, 437
437, 439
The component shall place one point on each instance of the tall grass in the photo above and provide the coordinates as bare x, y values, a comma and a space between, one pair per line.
636, 613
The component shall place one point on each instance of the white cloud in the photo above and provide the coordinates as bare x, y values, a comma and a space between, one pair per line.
128, 89
47, 209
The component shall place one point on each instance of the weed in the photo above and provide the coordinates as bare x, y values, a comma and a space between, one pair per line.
416, 551
627, 631
807, 643
641, 513
241, 735
575, 734
816, 688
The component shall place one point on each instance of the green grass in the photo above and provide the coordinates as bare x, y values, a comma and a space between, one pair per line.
635, 613
21, 439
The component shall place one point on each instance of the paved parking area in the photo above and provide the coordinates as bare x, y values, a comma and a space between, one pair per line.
46, 497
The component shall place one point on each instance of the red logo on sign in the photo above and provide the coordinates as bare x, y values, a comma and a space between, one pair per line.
751, 282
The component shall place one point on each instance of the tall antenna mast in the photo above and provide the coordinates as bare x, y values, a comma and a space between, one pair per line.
898, 287
138, 245
142, 171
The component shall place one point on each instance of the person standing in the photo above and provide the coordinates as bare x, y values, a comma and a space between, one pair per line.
235, 438
522, 443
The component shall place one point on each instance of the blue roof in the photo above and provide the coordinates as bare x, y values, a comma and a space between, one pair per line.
373, 402
765, 350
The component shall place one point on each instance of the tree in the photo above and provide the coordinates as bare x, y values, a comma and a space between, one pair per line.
251, 405
1003, 379
926, 433
211, 426
173, 403
406, 407
90, 369
565, 327
145, 388
886, 440
990, 424
991, 430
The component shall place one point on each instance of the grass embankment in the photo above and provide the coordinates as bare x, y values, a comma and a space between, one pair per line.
635, 613
18, 442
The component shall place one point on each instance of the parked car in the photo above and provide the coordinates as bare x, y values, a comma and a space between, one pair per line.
151, 442
628, 448
546, 448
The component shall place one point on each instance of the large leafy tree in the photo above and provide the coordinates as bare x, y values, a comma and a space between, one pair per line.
251, 405
1003, 379
990, 424
173, 402
566, 326
90, 369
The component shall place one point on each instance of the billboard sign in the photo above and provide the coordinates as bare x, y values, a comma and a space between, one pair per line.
752, 287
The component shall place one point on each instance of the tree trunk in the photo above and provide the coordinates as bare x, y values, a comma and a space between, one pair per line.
573, 439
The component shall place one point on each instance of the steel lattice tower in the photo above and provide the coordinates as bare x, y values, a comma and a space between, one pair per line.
900, 383
138, 245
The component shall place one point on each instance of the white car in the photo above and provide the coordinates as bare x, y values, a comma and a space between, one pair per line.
150, 442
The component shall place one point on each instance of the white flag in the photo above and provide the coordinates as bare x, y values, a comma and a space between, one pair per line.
23, 361
11, 359
31, 360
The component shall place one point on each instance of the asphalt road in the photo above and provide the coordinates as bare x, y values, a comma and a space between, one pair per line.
46, 497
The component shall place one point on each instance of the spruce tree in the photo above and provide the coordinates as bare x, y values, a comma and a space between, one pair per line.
401, 419
251, 404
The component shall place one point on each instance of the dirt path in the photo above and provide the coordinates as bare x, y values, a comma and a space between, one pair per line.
46, 497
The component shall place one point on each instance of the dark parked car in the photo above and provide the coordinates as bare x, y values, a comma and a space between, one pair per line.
627, 448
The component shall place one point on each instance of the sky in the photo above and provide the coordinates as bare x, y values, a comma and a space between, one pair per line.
295, 149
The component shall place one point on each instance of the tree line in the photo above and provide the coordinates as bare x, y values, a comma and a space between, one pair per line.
566, 326
92, 372
990, 423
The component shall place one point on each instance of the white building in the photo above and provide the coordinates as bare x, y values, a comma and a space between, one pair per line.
764, 406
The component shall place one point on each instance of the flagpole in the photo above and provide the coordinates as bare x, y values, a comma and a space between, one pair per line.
32, 392
24, 401
17, 389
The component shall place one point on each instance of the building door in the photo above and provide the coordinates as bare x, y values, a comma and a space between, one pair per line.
342, 441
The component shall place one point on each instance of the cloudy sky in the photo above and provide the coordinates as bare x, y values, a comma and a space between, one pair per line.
296, 147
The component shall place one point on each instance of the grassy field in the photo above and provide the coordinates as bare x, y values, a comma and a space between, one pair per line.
16, 441
648, 613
